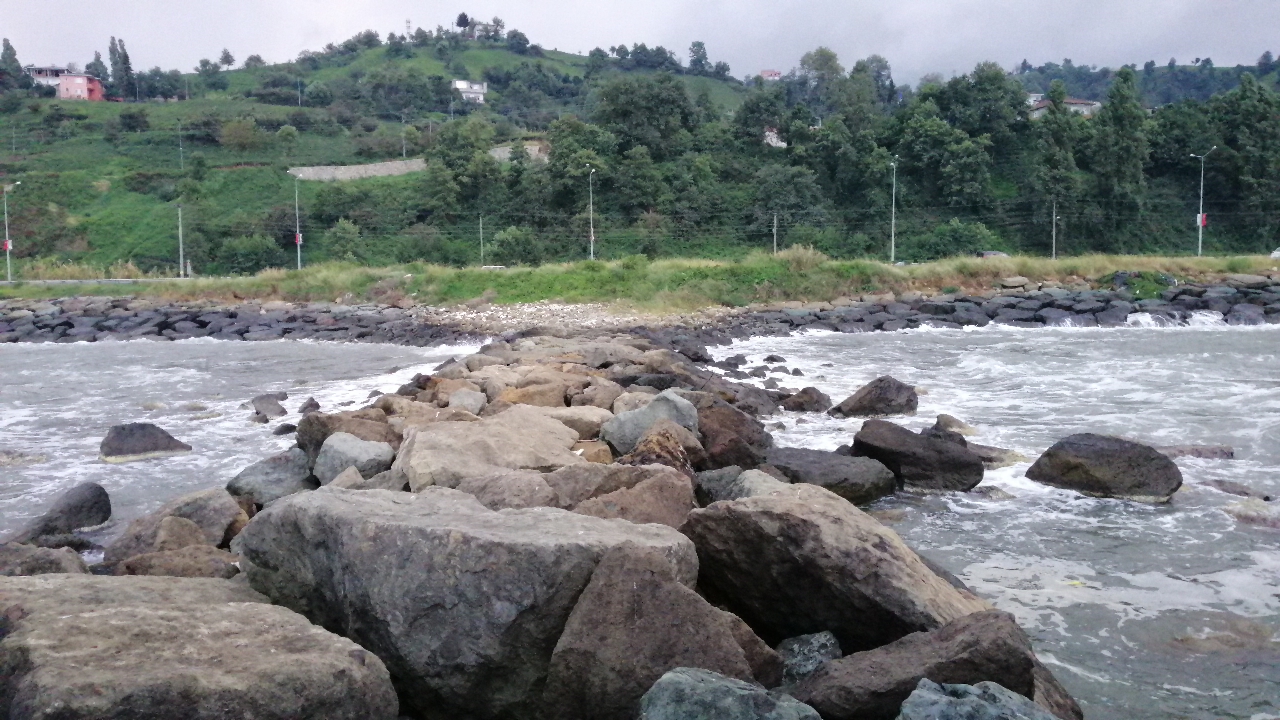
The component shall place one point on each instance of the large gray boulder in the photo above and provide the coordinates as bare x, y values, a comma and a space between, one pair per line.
86, 647
84, 505
1104, 466
521, 438
343, 450
984, 701
693, 694
638, 619
626, 429
802, 656
268, 480
872, 685
860, 480
18, 559
269, 406
139, 441
919, 461
213, 510
462, 603
801, 560
878, 398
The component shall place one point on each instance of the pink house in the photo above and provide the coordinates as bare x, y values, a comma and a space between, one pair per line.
80, 87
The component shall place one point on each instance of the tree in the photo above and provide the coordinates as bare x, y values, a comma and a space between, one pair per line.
698, 62
948, 164
597, 61
287, 136
463, 21
1057, 175
253, 62
1120, 151
517, 42
646, 110
226, 59
242, 135
250, 254
1266, 63
343, 241
97, 68
121, 85
638, 185
439, 191
792, 193
762, 109
10, 69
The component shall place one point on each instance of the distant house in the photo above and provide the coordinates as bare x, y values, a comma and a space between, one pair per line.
770, 75
80, 87
772, 139
1087, 108
471, 92
50, 75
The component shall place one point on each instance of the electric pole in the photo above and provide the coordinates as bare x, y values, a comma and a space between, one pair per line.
481, 241
182, 260
775, 233
893, 215
297, 222
1054, 247
182, 160
591, 209
1200, 219
8, 244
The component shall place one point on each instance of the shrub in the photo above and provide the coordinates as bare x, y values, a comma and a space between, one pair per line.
242, 135
344, 241
952, 239
247, 255
802, 258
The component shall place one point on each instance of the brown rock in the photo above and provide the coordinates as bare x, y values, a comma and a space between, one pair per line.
665, 499
660, 446
214, 511
511, 489
878, 398
193, 561
445, 388
595, 451
637, 619
315, 428
176, 533
18, 559
578, 483
810, 399
730, 436
601, 393
543, 395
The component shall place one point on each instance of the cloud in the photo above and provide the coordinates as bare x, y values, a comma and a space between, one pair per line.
917, 36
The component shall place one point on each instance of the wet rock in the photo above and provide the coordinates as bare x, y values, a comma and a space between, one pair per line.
1205, 452
802, 656
918, 461
1234, 488
983, 701
1104, 466
192, 561
19, 559
315, 428
139, 441
1255, 512
268, 480
309, 406
637, 619
860, 480
873, 684
269, 405
285, 429
809, 399
214, 510
687, 693
368, 563
994, 458
802, 560
84, 646
625, 430
955, 425
664, 498
729, 435
882, 396
343, 450
84, 505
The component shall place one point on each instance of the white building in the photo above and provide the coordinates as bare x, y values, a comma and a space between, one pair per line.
471, 92
50, 76
770, 75
1087, 108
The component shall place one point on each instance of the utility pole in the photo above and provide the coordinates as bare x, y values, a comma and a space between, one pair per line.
8, 245
1200, 219
591, 209
182, 160
1054, 247
297, 222
299, 92
481, 241
775, 233
182, 260
893, 215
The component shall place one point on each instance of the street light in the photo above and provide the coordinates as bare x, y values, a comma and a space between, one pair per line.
893, 214
1200, 218
1054, 248
8, 245
591, 209
181, 257
297, 222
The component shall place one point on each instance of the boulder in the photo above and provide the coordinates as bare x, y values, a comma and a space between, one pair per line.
192, 561
542, 395
139, 441
630, 401
693, 694
878, 398
664, 444
873, 684
84, 505
801, 560
19, 559
585, 419
994, 458
315, 428
176, 533
214, 510
860, 480
268, 480
802, 656
624, 430
595, 451
712, 485
918, 461
810, 399
520, 438
442, 390
309, 406
665, 498
462, 603
1204, 452
601, 393
85, 646
751, 483
473, 401
351, 479
983, 701
269, 405
343, 450
1104, 466
577, 483
510, 489
729, 435
955, 425
1254, 511
637, 619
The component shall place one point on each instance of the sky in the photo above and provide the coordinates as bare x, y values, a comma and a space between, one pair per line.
917, 36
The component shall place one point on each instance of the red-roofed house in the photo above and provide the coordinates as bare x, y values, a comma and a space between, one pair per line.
80, 87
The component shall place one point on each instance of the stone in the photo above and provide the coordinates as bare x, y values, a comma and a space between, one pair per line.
85, 646
693, 694
473, 401
880, 397
665, 499
751, 483
802, 656
955, 425
585, 419
268, 480
984, 701
577, 483
595, 451
873, 684
269, 405
1017, 281
1104, 466
519, 438
918, 461
810, 399
712, 485
994, 458
139, 441
1234, 488
462, 603
624, 430
19, 559
315, 428
444, 389
176, 533
342, 450
801, 560
84, 505
630, 401
284, 429
637, 620
1204, 452
729, 435
1255, 511
309, 406
214, 510
860, 480
663, 444
192, 561
601, 393
542, 395
351, 479
511, 489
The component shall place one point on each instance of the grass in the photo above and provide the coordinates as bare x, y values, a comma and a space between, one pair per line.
795, 274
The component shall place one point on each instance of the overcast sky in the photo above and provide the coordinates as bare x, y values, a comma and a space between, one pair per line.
917, 36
